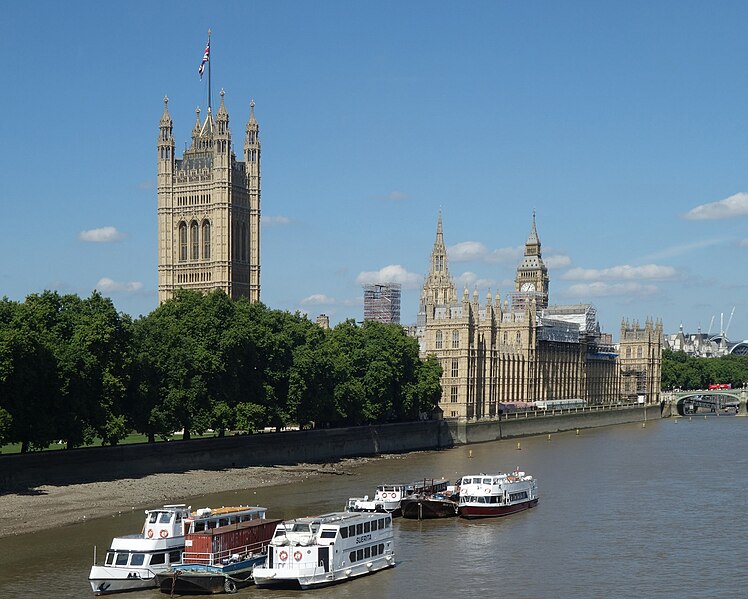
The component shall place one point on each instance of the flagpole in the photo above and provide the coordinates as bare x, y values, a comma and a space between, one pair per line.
209, 61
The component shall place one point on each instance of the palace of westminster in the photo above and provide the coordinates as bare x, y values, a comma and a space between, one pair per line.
491, 354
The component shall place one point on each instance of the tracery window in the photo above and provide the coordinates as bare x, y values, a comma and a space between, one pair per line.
455, 339
455, 368
206, 240
439, 341
182, 241
194, 241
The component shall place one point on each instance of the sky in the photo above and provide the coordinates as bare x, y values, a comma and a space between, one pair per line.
623, 125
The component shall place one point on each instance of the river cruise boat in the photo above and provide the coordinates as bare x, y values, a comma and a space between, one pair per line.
219, 560
387, 498
328, 549
133, 561
490, 495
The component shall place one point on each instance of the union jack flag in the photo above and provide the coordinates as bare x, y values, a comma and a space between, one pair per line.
206, 58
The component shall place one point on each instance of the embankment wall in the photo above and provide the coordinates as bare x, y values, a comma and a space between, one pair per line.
290, 447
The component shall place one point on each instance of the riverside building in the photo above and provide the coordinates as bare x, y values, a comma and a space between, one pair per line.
209, 208
495, 353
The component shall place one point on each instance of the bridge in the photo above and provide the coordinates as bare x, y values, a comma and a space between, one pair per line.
707, 400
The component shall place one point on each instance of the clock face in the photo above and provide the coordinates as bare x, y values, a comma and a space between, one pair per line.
527, 287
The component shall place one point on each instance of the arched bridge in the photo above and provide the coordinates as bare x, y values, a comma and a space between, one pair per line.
708, 400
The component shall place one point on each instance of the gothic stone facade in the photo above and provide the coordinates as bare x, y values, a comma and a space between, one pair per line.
209, 209
493, 354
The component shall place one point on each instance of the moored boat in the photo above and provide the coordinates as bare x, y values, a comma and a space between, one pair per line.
387, 498
327, 549
133, 561
491, 495
220, 560
425, 507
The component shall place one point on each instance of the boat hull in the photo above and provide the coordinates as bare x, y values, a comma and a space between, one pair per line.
207, 580
270, 578
105, 580
427, 509
477, 510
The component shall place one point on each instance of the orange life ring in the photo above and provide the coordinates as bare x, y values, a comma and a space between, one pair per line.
164, 533
297, 555
150, 533
283, 555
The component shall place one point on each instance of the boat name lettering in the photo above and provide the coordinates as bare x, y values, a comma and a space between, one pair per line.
363, 539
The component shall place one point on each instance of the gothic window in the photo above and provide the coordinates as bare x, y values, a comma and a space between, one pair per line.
194, 241
519, 338
639, 352
455, 339
244, 242
505, 337
628, 352
182, 241
455, 368
453, 395
438, 340
206, 240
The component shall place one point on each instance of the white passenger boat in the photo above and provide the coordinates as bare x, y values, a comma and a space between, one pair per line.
388, 498
133, 561
327, 549
490, 495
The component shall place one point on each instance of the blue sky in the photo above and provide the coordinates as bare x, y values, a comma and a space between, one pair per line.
623, 124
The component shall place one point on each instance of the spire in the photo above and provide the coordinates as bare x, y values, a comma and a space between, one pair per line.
166, 117
532, 238
252, 118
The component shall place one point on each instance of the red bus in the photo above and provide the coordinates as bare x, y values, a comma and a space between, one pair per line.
720, 386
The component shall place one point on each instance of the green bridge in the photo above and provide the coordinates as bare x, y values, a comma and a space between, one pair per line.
683, 403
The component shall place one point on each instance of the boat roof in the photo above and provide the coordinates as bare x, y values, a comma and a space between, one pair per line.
335, 518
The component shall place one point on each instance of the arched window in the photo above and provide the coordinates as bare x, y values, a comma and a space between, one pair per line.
455, 339
628, 352
206, 240
244, 242
194, 241
438, 340
639, 352
182, 241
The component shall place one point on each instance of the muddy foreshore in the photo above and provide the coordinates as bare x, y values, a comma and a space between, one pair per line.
51, 506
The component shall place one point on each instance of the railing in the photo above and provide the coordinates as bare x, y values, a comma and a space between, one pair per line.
217, 559
525, 414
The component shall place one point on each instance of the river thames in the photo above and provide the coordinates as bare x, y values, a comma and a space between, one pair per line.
625, 511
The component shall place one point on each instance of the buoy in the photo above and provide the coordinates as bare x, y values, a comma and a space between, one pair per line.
577, 432
518, 446
644, 425
549, 437
470, 453
689, 419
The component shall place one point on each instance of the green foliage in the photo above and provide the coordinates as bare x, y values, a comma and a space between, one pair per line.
74, 369
681, 371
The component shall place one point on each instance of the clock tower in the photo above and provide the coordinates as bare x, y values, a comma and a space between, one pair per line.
531, 282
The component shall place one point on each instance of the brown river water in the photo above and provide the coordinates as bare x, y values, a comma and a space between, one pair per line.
624, 511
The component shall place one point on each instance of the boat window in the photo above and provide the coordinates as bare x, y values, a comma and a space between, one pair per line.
122, 559
388, 522
367, 527
328, 534
374, 550
359, 529
178, 518
109, 558
367, 552
158, 558
481, 500
165, 518
487, 481
359, 554
199, 526
352, 530
314, 526
381, 548
153, 517
344, 532
300, 527
223, 521
137, 559
352, 556
175, 557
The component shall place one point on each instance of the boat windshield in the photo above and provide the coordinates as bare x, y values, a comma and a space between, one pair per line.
165, 518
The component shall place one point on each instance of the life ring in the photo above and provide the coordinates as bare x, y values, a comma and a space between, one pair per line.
150, 533
283, 555
164, 533
297, 555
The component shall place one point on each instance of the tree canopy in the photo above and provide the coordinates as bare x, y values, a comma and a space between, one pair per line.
681, 371
74, 369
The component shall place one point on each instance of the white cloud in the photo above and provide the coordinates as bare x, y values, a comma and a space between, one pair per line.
557, 261
743, 243
679, 250
275, 221
470, 280
317, 299
466, 251
109, 286
506, 254
397, 196
735, 205
647, 271
101, 235
393, 273
600, 289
